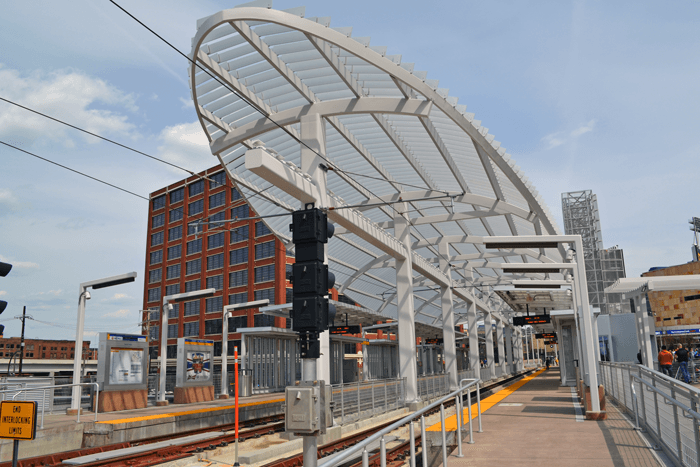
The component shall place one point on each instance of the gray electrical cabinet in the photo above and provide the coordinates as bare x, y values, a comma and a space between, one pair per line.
307, 409
122, 362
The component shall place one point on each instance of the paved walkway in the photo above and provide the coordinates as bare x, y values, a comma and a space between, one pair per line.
538, 425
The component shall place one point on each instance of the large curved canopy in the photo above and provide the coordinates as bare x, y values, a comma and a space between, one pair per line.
390, 133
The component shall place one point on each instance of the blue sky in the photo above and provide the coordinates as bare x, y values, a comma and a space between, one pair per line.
584, 95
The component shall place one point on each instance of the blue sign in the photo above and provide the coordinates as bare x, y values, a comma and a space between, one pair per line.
682, 331
126, 337
658, 333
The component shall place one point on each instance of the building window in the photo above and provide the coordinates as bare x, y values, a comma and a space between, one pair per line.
215, 241
194, 246
261, 229
154, 294
214, 304
260, 320
217, 199
191, 329
235, 194
158, 202
194, 228
288, 271
217, 180
237, 298
265, 273
239, 256
175, 312
191, 286
236, 322
217, 220
158, 221
172, 289
174, 252
171, 351
213, 326
173, 272
192, 308
289, 295
195, 207
215, 282
193, 267
239, 234
172, 331
153, 333
156, 256
155, 275
175, 214
265, 293
177, 195
215, 261
153, 314
239, 212
238, 278
265, 250
157, 238
175, 233
196, 187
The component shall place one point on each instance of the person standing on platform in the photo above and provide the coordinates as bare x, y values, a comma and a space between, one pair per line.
682, 357
665, 361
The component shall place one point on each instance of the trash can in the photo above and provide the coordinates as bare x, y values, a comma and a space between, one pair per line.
245, 382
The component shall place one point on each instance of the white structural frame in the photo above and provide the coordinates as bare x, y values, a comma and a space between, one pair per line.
299, 112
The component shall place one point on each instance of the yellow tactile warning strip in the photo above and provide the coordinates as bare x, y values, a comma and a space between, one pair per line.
188, 412
451, 422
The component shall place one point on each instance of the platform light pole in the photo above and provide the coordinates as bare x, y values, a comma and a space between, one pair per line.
224, 342
78, 354
168, 300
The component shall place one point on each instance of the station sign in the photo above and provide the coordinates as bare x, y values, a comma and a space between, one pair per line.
126, 337
671, 332
354, 329
434, 341
546, 335
550, 343
537, 319
18, 420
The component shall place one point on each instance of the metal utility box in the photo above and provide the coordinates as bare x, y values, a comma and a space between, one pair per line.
307, 408
122, 362
194, 363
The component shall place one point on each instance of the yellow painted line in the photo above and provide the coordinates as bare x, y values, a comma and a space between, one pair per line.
451, 422
189, 412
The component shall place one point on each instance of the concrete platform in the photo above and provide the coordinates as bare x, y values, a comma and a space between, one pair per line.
62, 433
540, 423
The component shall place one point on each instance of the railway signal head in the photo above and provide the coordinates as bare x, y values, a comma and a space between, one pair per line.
4, 270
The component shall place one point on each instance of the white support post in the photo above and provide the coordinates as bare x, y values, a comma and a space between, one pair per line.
590, 346
643, 331
500, 343
509, 349
562, 357
473, 328
488, 334
448, 322
224, 355
161, 401
404, 298
78, 355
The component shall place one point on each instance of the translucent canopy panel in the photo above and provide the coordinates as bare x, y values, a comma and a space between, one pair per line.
390, 133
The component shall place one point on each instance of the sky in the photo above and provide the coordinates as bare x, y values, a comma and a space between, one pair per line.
583, 94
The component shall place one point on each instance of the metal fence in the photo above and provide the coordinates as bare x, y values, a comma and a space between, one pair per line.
467, 374
54, 400
365, 399
665, 407
433, 386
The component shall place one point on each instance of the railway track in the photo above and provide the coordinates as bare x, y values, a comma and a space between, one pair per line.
396, 455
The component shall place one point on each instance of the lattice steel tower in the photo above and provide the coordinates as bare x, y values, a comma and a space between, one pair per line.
580, 210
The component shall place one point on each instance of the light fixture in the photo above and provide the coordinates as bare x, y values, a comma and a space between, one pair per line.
87, 295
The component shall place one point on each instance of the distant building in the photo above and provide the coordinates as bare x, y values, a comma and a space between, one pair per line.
603, 267
44, 349
676, 313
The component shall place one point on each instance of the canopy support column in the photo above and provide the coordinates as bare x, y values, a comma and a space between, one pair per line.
509, 349
448, 322
405, 309
488, 334
473, 329
500, 343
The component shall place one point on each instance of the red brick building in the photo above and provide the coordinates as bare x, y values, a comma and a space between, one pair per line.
195, 241
44, 349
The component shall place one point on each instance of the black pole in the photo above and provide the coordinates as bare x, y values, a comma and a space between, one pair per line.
21, 342
15, 453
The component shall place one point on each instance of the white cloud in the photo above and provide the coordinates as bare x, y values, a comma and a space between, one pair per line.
75, 223
117, 314
187, 103
3, 292
19, 264
186, 145
584, 129
69, 95
553, 140
8, 201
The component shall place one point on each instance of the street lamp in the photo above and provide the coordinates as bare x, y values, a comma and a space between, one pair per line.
224, 344
167, 303
85, 295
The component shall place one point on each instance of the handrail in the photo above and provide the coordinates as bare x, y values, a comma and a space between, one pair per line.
360, 447
44, 388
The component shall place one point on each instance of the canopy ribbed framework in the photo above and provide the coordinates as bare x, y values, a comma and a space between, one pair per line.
390, 132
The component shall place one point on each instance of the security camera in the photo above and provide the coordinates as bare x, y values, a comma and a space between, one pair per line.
87, 295
170, 307
569, 254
